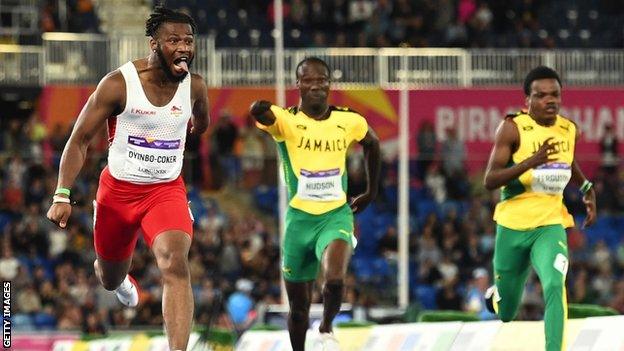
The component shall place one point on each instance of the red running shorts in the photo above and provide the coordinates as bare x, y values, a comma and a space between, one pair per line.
121, 209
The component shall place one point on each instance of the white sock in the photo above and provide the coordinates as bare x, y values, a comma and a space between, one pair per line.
125, 285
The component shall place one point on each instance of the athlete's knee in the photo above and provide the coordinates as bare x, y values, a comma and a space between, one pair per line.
334, 275
110, 280
299, 314
553, 287
299, 305
505, 313
335, 270
506, 318
334, 286
172, 264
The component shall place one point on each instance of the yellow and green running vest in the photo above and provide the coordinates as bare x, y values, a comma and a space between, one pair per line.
535, 198
314, 154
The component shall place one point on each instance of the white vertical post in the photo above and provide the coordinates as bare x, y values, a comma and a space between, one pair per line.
280, 99
403, 207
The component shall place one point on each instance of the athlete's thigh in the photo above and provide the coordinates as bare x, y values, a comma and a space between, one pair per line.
299, 262
512, 250
549, 254
511, 268
115, 226
337, 225
167, 209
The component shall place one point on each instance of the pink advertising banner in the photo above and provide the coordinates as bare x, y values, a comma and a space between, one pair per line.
476, 113
473, 113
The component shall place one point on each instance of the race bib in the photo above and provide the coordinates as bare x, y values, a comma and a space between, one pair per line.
551, 178
320, 185
153, 158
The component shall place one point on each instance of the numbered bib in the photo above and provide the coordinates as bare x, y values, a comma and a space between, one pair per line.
320, 185
153, 158
551, 178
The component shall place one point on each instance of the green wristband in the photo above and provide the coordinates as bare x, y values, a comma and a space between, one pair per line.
63, 191
586, 186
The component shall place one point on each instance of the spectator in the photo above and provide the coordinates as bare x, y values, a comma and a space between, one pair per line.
222, 153
447, 297
474, 300
426, 144
609, 150
360, 11
453, 154
465, 10
28, 300
435, 183
9, 265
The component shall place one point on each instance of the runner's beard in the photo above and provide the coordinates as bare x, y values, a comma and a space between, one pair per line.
167, 70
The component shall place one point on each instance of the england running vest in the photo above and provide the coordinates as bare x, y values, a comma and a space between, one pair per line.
535, 198
147, 141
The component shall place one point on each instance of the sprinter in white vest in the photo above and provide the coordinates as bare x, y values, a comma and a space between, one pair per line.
147, 104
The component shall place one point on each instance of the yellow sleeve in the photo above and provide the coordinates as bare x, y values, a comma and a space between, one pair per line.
277, 129
360, 128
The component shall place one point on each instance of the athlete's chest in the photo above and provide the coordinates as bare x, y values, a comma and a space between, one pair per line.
561, 136
142, 112
330, 135
159, 95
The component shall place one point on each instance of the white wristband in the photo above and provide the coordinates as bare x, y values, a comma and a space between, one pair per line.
60, 199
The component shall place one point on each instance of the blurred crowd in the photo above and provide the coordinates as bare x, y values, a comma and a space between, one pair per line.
382, 23
234, 258
79, 15
414, 23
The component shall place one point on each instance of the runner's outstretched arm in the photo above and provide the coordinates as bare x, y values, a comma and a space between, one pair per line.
261, 112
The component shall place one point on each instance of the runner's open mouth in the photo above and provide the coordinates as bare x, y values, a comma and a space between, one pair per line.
181, 64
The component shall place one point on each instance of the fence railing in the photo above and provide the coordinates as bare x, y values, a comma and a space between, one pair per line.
85, 58
21, 65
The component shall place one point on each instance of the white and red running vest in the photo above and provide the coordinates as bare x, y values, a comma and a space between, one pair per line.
147, 141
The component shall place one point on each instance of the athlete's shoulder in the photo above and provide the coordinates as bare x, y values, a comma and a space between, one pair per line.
113, 77
507, 131
198, 86
565, 120
197, 79
567, 124
112, 84
515, 115
293, 110
344, 109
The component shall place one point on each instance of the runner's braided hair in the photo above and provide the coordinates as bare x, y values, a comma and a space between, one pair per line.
161, 15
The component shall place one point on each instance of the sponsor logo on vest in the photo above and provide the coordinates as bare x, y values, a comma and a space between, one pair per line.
176, 111
138, 111
152, 143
